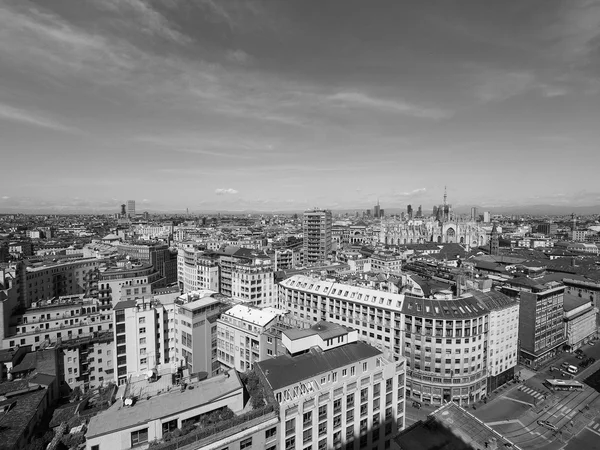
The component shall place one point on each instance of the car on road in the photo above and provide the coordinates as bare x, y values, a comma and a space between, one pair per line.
578, 351
580, 356
553, 368
545, 423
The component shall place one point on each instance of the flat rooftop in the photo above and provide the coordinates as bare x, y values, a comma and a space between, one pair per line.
451, 427
570, 302
287, 370
165, 400
257, 316
326, 330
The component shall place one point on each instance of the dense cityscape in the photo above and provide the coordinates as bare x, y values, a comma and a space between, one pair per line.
286, 331
299, 225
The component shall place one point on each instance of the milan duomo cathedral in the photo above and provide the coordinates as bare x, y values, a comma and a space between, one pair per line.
443, 227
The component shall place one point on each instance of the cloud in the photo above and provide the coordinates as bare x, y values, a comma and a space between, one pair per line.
357, 99
149, 20
228, 191
5, 197
239, 57
8, 112
501, 85
412, 193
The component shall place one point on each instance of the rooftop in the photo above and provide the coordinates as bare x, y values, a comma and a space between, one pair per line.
493, 299
326, 330
257, 316
286, 370
571, 302
15, 421
459, 308
164, 404
451, 427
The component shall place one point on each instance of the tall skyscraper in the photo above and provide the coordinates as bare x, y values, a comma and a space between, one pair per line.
435, 211
131, 208
473, 213
316, 227
419, 212
376, 210
486, 217
409, 211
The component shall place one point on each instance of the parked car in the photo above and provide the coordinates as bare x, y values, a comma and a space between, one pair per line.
580, 356
579, 351
545, 423
565, 365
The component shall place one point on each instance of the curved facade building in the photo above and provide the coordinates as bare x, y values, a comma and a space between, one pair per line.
445, 345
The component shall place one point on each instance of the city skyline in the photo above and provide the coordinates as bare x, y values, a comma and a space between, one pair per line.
269, 106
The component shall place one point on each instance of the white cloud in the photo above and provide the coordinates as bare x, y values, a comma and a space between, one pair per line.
499, 85
239, 57
228, 191
31, 118
5, 197
357, 99
148, 19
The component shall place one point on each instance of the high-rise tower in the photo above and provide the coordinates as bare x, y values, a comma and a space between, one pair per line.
316, 227
131, 208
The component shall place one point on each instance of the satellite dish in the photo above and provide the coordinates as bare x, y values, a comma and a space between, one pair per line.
128, 401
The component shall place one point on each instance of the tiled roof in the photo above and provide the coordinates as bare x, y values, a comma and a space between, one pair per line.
287, 370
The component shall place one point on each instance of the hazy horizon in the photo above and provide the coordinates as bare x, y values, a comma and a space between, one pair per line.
262, 105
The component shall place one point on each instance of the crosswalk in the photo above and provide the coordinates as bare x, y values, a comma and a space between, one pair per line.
595, 427
532, 392
565, 411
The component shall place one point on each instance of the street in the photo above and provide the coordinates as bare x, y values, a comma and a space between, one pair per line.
515, 409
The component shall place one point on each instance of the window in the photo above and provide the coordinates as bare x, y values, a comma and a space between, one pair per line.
307, 435
345, 372
322, 428
139, 437
322, 412
169, 426
271, 432
246, 443
142, 320
142, 341
307, 419
365, 366
352, 371
290, 427
290, 443
142, 330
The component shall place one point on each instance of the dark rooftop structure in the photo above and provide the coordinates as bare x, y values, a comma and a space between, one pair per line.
571, 302
326, 330
286, 370
452, 428
493, 300
458, 308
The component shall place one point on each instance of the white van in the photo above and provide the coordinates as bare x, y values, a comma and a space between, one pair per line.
572, 369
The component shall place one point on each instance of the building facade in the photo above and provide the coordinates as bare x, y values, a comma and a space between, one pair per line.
317, 235
580, 320
541, 327
346, 395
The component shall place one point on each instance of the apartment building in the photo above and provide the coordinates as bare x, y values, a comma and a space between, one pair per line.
335, 391
541, 326
197, 270
244, 337
445, 345
503, 335
127, 281
149, 410
157, 254
53, 321
144, 335
196, 330
253, 282
375, 314
386, 261
46, 279
86, 362
584, 288
317, 236
580, 320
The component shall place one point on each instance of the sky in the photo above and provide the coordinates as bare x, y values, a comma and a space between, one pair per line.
288, 105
